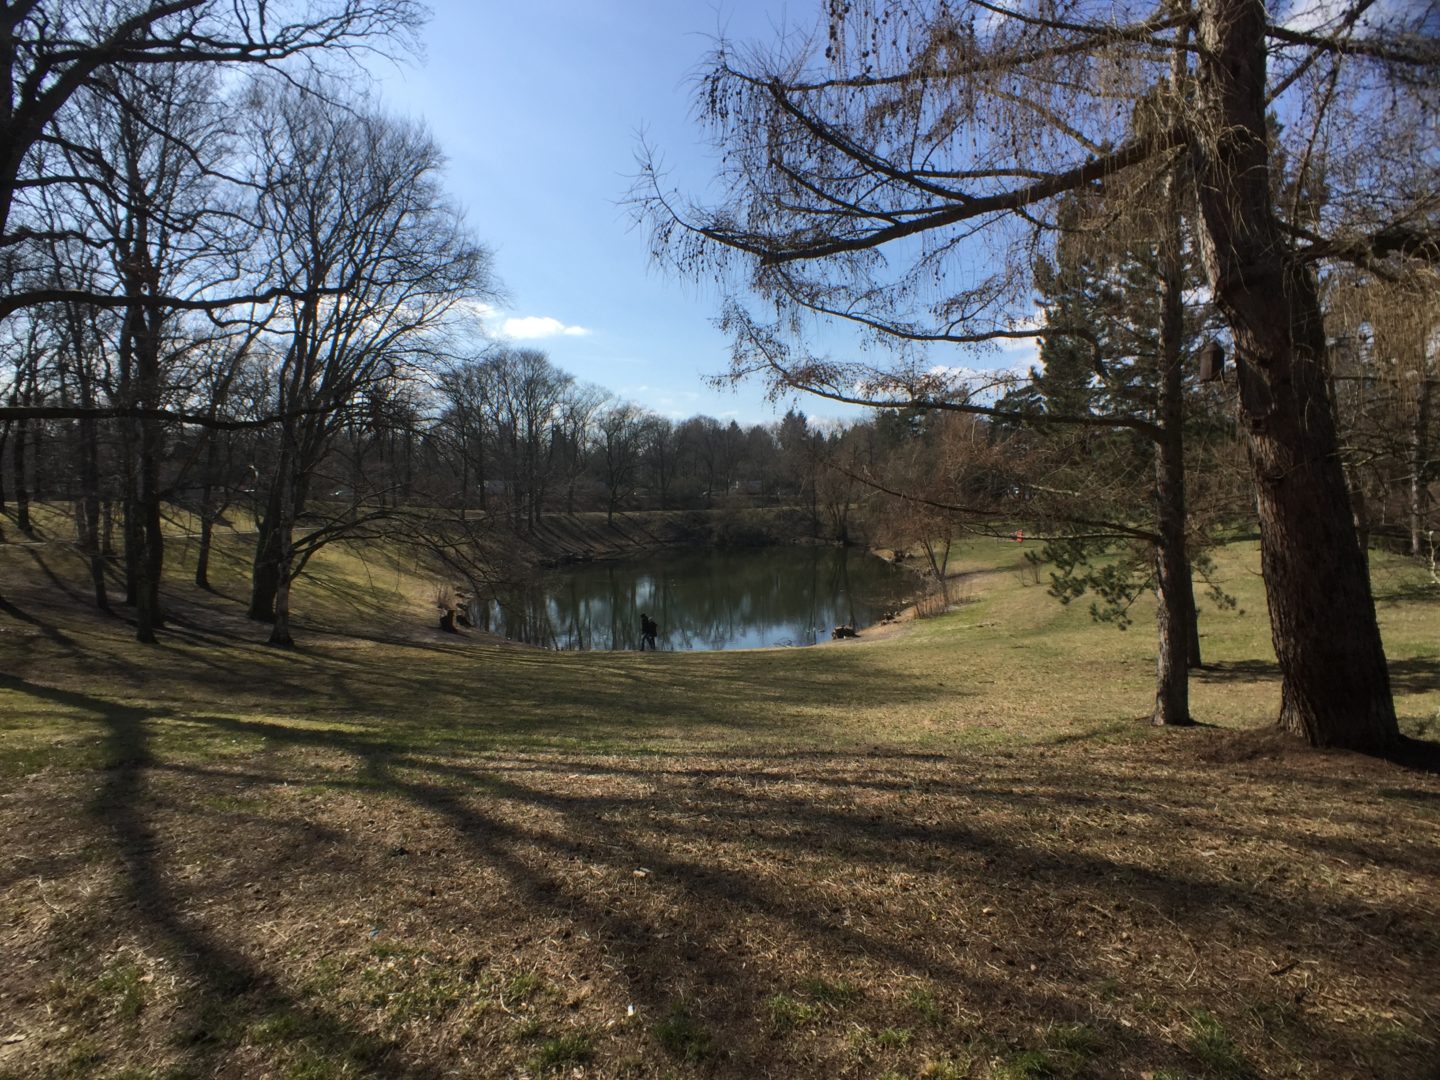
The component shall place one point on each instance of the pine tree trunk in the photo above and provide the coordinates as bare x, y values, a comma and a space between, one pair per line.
1172, 612
1172, 566
1335, 683
1194, 661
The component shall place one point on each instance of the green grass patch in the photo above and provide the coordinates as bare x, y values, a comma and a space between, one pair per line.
683, 1036
1214, 1050
575, 1048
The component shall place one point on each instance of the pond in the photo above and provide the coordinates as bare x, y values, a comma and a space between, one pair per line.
734, 599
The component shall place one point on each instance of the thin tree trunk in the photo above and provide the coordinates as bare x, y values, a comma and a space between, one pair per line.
1194, 661
107, 528
22, 487
148, 613
207, 512
1335, 683
89, 517
129, 531
4, 438
1174, 612
284, 545
202, 554
1420, 468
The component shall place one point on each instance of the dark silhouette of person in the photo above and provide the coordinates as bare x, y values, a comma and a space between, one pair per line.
648, 629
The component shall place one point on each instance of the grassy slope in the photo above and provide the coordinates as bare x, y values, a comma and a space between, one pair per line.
955, 852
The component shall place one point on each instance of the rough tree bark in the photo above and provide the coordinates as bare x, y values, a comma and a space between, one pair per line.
1175, 611
1335, 684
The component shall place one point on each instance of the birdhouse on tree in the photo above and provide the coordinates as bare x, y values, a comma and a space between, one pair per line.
1212, 361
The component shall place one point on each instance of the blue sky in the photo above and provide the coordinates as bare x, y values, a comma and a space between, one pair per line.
540, 108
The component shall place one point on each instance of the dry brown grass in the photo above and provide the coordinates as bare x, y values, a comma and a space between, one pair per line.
952, 853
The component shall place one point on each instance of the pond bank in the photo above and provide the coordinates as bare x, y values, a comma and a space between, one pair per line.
563, 539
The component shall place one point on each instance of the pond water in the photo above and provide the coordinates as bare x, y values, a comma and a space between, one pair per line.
706, 599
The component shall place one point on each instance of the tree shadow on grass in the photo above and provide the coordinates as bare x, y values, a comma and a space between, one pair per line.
1420, 675
492, 813
793, 848
54, 633
228, 992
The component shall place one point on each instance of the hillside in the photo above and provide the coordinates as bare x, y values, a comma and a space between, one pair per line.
952, 852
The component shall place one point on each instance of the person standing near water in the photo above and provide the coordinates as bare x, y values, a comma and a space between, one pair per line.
648, 629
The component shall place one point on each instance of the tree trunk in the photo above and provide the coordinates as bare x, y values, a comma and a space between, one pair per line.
265, 569
1194, 661
280, 630
129, 532
4, 438
22, 488
1420, 468
1172, 568
1335, 684
107, 528
207, 512
88, 519
202, 554
148, 613
1175, 607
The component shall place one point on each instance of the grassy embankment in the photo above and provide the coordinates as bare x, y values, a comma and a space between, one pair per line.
953, 852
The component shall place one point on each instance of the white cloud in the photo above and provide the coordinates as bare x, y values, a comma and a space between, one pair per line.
530, 327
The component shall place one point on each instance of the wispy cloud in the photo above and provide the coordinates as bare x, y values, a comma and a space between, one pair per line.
532, 327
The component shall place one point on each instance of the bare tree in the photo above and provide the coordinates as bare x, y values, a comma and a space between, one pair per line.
351, 213
620, 437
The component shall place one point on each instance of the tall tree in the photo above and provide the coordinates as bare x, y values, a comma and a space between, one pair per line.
52, 49
351, 214
867, 184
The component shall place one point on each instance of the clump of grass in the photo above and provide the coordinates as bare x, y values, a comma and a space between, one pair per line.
834, 994
1210, 1044
788, 1013
683, 1036
119, 989
524, 986
816, 997
280, 1028
1074, 1044
922, 1002
944, 1068
410, 985
575, 1048
893, 1038
1025, 1065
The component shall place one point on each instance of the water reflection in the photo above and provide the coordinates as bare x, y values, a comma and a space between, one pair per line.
703, 600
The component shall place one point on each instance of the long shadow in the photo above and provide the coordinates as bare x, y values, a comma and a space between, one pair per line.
614, 831
1419, 675
54, 633
587, 831
220, 973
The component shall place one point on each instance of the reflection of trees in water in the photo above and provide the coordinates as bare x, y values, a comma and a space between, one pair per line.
710, 600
